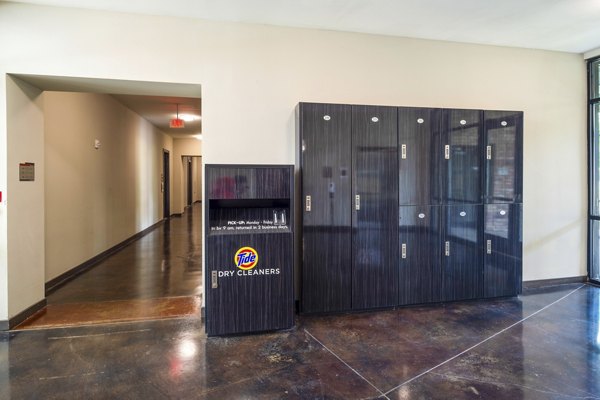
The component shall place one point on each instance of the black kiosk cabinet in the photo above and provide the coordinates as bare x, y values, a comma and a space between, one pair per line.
249, 248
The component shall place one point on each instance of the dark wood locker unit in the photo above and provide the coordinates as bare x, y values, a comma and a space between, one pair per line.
375, 188
504, 156
420, 267
325, 135
249, 248
462, 260
462, 141
419, 132
503, 241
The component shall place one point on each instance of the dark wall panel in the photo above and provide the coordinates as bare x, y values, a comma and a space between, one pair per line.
420, 268
375, 239
326, 141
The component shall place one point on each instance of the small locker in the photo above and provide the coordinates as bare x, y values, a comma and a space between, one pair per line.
503, 249
503, 156
462, 256
462, 154
420, 159
420, 268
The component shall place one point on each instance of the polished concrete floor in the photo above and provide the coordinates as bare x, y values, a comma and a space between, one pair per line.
543, 345
157, 276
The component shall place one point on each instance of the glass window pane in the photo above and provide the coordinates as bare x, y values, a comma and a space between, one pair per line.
595, 79
595, 250
595, 161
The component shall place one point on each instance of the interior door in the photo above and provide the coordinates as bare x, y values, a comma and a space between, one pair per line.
326, 198
375, 200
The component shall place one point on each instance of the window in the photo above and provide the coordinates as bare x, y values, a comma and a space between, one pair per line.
594, 170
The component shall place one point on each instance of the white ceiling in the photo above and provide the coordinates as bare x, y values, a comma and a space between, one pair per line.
563, 25
159, 110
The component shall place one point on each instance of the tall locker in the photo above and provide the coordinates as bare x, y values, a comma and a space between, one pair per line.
462, 261
375, 216
420, 268
420, 161
462, 151
503, 249
327, 206
503, 189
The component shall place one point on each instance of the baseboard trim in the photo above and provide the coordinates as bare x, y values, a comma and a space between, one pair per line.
22, 316
63, 278
545, 283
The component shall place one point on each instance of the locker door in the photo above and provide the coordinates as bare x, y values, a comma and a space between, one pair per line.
419, 144
420, 269
504, 156
375, 216
503, 249
327, 200
462, 273
462, 141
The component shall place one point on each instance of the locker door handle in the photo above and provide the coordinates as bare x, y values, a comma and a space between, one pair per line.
308, 204
489, 246
404, 152
447, 249
403, 250
214, 279
488, 152
447, 152
357, 202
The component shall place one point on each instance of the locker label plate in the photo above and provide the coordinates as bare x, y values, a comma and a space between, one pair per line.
447, 152
308, 203
214, 279
404, 152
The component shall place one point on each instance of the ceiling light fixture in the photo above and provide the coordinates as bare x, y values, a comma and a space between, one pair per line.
189, 117
177, 122
199, 136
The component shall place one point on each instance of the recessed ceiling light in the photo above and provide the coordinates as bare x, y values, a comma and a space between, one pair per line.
199, 137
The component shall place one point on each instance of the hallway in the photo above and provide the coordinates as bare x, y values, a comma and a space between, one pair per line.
157, 276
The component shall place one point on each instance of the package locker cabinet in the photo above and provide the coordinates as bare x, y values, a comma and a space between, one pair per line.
327, 206
375, 216
503, 240
462, 140
462, 260
249, 207
503, 157
420, 268
449, 164
420, 159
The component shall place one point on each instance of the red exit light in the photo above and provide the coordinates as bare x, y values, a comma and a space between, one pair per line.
177, 123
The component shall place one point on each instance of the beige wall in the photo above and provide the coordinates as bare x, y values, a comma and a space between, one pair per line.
182, 147
25, 200
253, 76
96, 198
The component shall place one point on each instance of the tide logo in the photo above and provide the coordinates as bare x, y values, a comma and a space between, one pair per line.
246, 258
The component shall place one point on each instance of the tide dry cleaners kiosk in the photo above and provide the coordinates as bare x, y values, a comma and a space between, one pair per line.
249, 248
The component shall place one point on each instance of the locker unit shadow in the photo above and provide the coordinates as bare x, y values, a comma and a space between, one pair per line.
408, 205
249, 248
